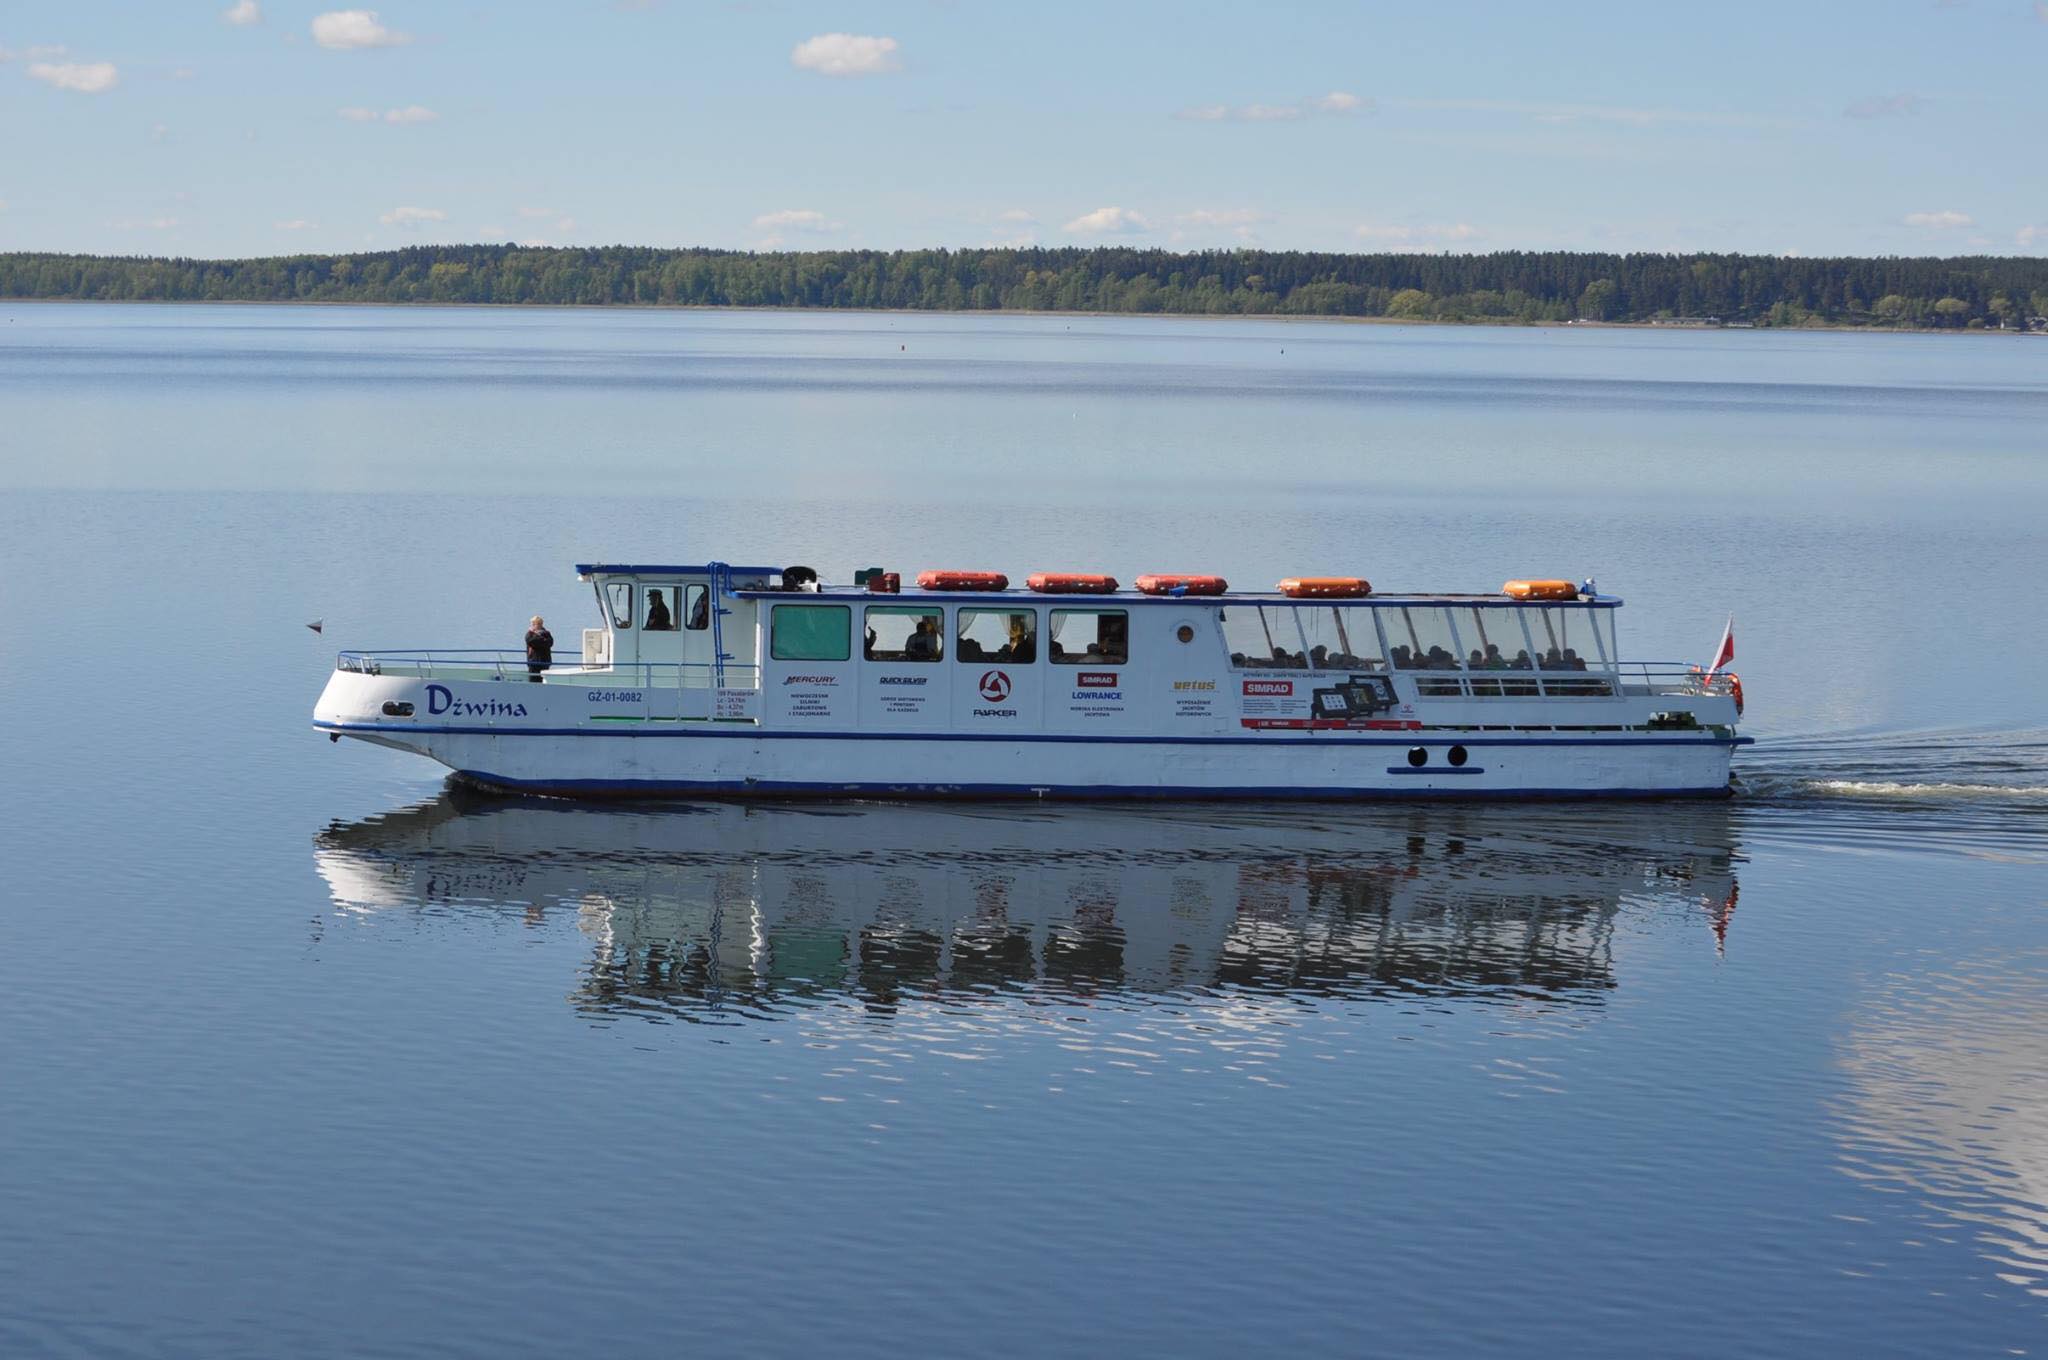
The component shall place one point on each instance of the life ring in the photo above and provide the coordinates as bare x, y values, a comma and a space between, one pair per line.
1735, 688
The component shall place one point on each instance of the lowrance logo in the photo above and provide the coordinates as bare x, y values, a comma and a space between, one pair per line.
1096, 680
1269, 687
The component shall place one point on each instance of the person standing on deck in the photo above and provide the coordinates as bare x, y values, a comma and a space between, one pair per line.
540, 648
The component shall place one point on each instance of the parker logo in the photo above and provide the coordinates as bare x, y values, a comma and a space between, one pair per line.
1269, 687
1096, 680
995, 686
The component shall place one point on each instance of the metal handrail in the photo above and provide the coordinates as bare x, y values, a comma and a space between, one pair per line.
450, 663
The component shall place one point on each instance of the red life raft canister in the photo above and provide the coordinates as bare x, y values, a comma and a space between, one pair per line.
1540, 590
962, 580
1069, 583
1324, 587
1173, 584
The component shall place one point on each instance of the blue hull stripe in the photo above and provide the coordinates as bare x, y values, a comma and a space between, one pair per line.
1081, 792
713, 730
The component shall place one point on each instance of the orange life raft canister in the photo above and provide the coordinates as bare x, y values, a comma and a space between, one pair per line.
1070, 583
962, 580
1171, 584
1540, 590
1324, 587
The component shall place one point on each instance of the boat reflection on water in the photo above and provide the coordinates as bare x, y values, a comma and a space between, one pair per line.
726, 913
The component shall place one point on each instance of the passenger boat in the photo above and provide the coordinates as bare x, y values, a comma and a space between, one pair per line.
758, 681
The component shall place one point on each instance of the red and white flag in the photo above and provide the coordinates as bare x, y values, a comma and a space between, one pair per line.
1725, 653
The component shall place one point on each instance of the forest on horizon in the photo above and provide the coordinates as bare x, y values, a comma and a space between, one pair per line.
1969, 292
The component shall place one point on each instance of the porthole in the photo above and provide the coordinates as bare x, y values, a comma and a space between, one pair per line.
397, 709
1186, 632
1458, 755
1417, 756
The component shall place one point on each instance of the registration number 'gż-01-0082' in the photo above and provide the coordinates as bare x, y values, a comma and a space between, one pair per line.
618, 696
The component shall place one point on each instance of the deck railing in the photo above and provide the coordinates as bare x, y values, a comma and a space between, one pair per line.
444, 663
1636, 678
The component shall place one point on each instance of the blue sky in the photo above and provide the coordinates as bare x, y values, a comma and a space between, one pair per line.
250, 127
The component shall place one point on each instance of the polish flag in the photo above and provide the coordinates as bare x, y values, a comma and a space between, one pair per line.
1725, 653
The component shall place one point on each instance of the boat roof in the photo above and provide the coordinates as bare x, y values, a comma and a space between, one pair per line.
647, 569
847, 594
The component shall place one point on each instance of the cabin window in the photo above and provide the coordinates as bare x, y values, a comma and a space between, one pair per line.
811, 632
998, 635
618, 597
660, 605
1083, 637
696, 608
1492, 639
1339, 639
1563, 641
1262, 638
1420, 639
904, 633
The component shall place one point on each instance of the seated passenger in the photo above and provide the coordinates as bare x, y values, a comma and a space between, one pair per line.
1572, 660
1319, 657
923, 644
1023, 648
1521, 661
1493, 660
658, 619
1403, 658
1477, 660
1552, 661
1114, 637
700, 611
970, 650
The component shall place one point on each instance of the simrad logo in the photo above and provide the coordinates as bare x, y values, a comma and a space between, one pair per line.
439, 700
1096, 680
1269, 687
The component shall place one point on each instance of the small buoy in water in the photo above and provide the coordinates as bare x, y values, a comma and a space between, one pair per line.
315, 625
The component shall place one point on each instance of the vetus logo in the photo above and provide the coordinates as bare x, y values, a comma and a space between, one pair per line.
995, 686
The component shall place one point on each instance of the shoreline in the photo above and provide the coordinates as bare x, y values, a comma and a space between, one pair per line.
1833, 328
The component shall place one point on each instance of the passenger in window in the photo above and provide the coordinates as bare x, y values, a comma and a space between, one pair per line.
1493, 660
1477, 659
1521, 661
1022, 648
923, 643
658, 619
867, 643
700, 608
1573, 661
1404, 660
1115, 639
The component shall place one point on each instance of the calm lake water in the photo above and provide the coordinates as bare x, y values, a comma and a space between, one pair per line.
303, 1053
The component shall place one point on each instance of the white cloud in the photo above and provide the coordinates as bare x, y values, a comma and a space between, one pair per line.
85, 77
143, 223
293, 224
2032, 235
1591, 113
796, 219
243, 12
1223, 217
1337, 101
412, 217
159, 132
536, 212
1424, 237
351, 30
1108, 222
1884, 106
411, 113
1940, 221
845, 54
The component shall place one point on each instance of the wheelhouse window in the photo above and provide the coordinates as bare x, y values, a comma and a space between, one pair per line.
998, 635
1339, 639
618, 598
696, 608
810, 632
1090, 637
903, 633
660, 606
1262, 637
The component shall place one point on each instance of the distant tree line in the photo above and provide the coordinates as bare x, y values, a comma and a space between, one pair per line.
1507, 286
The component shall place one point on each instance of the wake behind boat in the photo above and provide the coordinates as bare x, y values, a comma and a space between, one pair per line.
713, 679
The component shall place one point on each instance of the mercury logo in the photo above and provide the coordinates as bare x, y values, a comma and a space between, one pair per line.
995, 686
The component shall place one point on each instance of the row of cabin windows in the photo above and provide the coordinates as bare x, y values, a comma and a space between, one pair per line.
1419, 637
824, 632
663, 608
